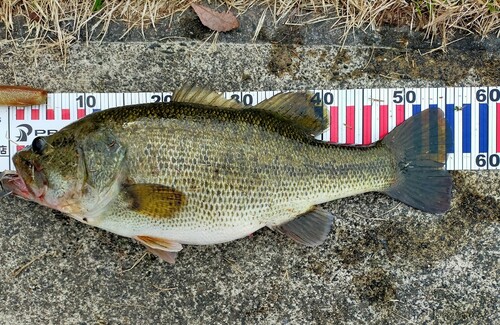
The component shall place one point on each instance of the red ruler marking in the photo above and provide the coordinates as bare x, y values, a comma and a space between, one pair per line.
20, 114
50, 114
65, 114
367, 124
498, 127
35, 114
384, 120
350, 125
400, 114
334, 124
80, 112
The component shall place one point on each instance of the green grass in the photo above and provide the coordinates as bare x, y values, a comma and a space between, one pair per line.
98, 4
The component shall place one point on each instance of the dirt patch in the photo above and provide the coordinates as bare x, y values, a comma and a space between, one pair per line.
192, 28
476, 206
452, 67
283, 60
375, 286
341, 68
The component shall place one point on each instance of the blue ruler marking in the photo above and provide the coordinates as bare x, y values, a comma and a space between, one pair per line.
483, 127
433, 129
416, 108
450, 119
466, 128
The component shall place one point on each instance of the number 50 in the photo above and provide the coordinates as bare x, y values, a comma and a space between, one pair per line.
398, 98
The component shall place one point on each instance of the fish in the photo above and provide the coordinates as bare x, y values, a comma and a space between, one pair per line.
202, 169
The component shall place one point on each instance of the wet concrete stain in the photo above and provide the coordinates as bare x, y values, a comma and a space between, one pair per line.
398, 64
288, 34
340, 69
373, 251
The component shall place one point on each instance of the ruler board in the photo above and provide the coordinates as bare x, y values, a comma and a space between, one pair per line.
357, 117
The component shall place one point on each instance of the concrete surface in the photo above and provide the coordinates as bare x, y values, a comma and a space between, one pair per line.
383, 263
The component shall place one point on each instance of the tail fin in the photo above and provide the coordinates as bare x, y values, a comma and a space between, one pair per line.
419, 145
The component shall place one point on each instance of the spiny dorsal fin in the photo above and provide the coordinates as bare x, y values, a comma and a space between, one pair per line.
299, 109
198, 95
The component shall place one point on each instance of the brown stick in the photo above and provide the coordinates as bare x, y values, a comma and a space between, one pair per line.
21, 96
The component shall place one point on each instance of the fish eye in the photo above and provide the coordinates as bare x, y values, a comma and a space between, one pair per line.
38, 146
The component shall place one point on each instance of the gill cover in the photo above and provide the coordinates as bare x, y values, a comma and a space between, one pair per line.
101, 158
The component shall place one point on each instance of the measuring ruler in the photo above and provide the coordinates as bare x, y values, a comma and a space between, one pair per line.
357, 117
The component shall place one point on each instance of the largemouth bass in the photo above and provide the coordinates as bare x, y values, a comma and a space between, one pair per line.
205, 170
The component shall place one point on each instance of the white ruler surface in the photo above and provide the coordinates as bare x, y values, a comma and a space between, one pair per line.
357, 116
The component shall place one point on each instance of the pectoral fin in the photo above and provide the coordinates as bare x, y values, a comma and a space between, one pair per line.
154, 200
161, 247
310, 228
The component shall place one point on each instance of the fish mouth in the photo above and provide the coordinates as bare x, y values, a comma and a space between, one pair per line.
12, 182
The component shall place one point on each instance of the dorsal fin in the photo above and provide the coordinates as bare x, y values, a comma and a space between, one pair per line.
298, 108
198, 95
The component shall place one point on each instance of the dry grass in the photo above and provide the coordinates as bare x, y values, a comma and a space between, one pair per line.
60, 22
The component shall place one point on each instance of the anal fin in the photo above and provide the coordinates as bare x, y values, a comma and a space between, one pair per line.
168, 257
161, 247
309, 229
